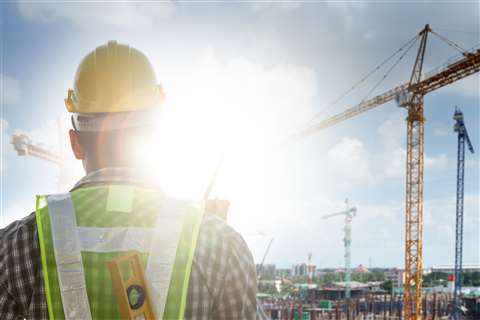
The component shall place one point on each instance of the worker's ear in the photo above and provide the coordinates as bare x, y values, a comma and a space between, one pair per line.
76, 146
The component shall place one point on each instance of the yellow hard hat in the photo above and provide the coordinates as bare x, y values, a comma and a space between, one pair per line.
114, 78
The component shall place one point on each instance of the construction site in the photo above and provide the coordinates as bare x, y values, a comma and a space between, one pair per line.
415, 302
410, 292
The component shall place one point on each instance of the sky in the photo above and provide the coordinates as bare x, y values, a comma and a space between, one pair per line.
240, 76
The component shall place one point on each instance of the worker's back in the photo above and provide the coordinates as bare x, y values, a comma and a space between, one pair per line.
221, 281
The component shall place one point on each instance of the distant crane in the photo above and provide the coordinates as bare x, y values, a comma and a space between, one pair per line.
260, 267
24, 146
310, 270
410, 95
460, 128
349, 213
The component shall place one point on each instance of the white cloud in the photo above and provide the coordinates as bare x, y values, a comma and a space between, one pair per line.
439, 162
441, 129
467, 87
10, 89
3, 125
377, 232
439, 229
4, 143
391, 159
392, 131
392, 134
47, 134
350, 160
271, 100
123, 15
394, 164
374, 224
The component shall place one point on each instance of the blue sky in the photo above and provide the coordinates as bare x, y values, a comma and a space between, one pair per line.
258, 70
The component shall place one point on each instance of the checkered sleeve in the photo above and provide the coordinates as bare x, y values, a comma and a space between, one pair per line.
237, 298
21, 283
8, 306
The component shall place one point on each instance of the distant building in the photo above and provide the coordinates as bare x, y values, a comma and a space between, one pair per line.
467, 267
299, 269
283, 272
304, 269
267, 271
311, 268
372, 286
336, 291
270, 269
396, 276
361, 269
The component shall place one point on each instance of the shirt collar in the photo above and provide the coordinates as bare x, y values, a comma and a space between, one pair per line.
122, 175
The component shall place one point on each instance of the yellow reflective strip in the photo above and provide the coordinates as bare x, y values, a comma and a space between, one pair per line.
197, 216
41, 240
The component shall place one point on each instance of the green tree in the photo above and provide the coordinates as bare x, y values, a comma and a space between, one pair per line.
299, 279
387, 286
471, 279
267, 287
328, 278
435, 279
368, 277
287, 288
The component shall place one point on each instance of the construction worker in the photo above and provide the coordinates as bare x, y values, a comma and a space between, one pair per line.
58, 261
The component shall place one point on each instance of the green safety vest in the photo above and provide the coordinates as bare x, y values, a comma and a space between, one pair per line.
80, 231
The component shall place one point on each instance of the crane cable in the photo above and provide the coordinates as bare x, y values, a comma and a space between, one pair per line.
387, 73
408, 44
471, 33
362, 80
450, 43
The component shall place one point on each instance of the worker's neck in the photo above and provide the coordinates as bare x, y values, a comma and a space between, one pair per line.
92, 166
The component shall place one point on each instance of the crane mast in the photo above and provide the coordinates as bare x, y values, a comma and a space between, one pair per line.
348, 214
412, 297
462, 138
260, 267
310, 270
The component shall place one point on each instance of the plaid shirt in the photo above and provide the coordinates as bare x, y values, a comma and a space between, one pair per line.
222, 282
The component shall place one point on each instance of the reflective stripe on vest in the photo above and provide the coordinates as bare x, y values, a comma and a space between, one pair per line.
74, 249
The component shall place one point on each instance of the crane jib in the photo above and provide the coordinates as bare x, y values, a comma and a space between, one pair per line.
457, 70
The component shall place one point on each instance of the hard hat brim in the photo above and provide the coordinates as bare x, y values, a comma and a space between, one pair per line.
97, 122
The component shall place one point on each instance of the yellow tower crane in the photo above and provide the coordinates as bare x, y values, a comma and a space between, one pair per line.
410, 95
